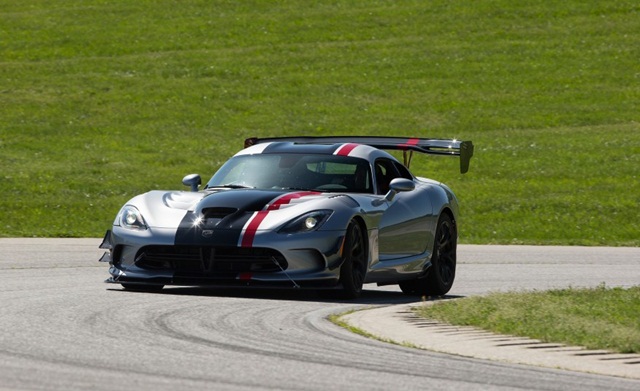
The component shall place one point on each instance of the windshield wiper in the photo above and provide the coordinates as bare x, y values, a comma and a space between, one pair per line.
231, 186
302, 189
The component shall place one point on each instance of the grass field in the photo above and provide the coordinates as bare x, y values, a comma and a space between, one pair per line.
600, 318
101, 100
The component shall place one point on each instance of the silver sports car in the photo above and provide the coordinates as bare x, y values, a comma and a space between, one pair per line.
330, 213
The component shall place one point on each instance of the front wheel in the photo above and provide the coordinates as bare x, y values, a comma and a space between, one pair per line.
439, 279
354, 265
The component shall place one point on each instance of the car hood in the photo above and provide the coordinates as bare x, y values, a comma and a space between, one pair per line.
228, 208
241, 199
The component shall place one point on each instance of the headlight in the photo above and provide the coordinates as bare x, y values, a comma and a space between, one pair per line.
130, 217
307, 222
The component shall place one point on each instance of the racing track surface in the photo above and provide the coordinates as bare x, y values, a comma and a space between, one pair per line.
63, 328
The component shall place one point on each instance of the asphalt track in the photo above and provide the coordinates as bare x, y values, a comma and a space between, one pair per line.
63, 328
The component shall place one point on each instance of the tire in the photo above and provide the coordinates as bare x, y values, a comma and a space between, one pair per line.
141, 287
354, 265
442, 273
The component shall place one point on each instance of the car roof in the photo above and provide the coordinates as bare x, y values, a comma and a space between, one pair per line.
343, 149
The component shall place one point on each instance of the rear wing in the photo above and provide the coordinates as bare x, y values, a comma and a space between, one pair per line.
408, 145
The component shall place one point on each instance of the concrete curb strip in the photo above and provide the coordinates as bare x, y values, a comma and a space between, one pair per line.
398, 323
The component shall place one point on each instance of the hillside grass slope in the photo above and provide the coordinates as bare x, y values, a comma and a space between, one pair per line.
100, 101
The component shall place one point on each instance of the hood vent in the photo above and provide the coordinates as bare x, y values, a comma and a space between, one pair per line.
218, 213
212, 217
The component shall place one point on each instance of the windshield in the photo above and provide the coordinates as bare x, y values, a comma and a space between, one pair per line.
295, 171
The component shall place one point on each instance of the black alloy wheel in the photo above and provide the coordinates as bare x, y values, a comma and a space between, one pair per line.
440, 276
443, 268
354, 265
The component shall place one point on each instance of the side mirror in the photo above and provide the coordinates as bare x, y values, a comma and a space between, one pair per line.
192, 180
396, 186
399, 185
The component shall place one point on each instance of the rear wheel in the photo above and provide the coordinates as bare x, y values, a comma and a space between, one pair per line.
439, 279
354, 265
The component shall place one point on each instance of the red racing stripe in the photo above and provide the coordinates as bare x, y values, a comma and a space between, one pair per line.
409, 143
245, 276
250, 229
345, 149
286, 198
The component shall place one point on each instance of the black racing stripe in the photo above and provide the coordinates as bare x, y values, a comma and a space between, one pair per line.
287, 147
270, 148
243, 199
190, 233
227, 231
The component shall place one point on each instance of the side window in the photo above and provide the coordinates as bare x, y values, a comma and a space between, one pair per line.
404, 172
385, 172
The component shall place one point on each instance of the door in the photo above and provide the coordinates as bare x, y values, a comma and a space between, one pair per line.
404, 227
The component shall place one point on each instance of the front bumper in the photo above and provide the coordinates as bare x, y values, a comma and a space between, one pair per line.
304, 261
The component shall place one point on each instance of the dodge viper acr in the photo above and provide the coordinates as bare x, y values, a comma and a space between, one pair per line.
329, 213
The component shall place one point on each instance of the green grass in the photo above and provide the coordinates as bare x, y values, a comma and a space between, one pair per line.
337, 320
601, 318
100, 101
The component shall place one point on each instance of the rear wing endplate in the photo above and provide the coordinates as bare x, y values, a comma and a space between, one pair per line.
408, 145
